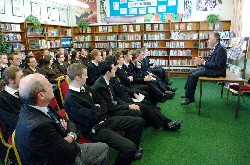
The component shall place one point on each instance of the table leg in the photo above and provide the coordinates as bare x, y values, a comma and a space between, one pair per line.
221, 92
238, 104
199, 111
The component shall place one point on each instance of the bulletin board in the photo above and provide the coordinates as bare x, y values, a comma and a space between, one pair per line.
142, 7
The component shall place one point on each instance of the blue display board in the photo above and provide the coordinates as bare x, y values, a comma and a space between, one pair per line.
142, 7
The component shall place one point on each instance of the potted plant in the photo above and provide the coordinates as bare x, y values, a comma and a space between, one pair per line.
82, 25
3, 43
33, 20
212, 19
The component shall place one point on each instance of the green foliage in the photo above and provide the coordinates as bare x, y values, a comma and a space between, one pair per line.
82, 24
33, 20
3, 43
213, 18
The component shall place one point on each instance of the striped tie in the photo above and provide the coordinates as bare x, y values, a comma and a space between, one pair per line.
210, 54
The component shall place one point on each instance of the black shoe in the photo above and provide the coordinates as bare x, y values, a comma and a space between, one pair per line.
138, 155
172, 126
140, 150
187, 101
183, 96
174, 89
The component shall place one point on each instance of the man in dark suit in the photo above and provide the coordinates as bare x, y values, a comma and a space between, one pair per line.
60, 66
3, 64
88, 111
32, 65
214, 66
42, 137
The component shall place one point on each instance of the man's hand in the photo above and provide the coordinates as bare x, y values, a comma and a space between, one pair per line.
64, 124
136, 96
130, 78
134, 107
147, 78
97, 105
199, 60
69, 139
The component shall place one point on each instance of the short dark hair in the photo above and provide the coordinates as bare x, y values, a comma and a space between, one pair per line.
216, 36
105, 66
9, 73
46, 59
112, 59
73, 54
134, 54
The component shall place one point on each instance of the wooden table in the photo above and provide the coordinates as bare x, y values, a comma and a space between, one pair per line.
230, 78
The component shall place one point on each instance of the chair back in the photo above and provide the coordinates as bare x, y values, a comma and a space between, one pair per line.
63, 85
54, 104
15, 148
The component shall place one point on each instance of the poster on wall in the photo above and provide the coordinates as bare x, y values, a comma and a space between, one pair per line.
53, 13
87, 14
62, 15
17, 8
36, 10
187, 9
2, 7
208, 5
143, 7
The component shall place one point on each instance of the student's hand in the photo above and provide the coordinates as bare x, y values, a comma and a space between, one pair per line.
69, 139
147, 78
64, 123
151, 67
134, 107
97, 105
130, 78
136, 96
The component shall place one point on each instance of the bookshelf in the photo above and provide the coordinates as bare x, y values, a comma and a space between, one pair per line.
49, 37
170, 44
14, 34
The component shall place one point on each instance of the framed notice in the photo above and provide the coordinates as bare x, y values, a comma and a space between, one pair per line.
36, 10
62, 15
53, 14
17, 8
2, 7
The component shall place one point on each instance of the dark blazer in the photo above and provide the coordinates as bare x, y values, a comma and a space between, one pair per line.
9, 110
60, 69
215, 66
93, 74
40, 140
102, 89
28, 71
84, 60
50, 74
81, 109
123, 77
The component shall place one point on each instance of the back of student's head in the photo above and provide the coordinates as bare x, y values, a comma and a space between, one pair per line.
134, 54
125, 52
75, 69
111, 59
74, 53
46, 59
9, 73
105, 66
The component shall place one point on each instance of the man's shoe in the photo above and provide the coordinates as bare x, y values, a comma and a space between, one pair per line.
174, 89
172, 126
138, 155
187, 101
140, 150
183, 96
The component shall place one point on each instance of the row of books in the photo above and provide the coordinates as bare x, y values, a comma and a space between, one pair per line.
10, 27
38, 44
53, 33
16, 47
66, 42
225, 34
182, 26
104, 29
159, 36
159, 62
54, 44
82, 45
33, 31
157, 53
150, 27
175, 44
177, 35
83, 38
12, 37
204, 53
151, 44
129, 45
180, 53
225, 43
66, 32
204, 35
204, 45
181, 62
106, 45
105, 38
129, 37
131, 28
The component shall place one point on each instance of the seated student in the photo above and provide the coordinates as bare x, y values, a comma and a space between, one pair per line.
89, 112
10, 103
14, 59
3, 64
47, 70
43, 137
32, 68
155, 93
84, 57
60, 66
93, 68
75, 57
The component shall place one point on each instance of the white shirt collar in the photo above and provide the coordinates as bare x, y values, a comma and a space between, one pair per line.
126, 63
4, 66
34, 70
11, 91
107, 82
120, 66
76, 89
96, 64
42, 109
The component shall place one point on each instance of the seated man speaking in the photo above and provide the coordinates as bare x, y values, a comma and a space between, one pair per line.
214, 66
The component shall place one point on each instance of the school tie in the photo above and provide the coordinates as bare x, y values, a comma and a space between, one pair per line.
53, 117
16, 93
111, 96
210, 54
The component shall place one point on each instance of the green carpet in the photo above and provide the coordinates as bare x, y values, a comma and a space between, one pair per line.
214, 138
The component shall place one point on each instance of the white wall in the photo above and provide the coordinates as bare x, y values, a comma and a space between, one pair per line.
8, 16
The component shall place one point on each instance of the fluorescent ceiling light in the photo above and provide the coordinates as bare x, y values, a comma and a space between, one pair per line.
72, 2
